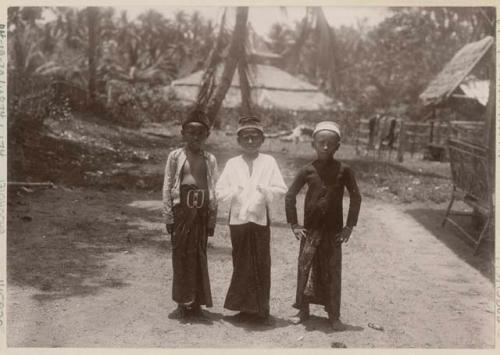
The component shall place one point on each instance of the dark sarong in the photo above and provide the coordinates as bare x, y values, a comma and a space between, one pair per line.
189, 249
323, 284
251, 281
306, 257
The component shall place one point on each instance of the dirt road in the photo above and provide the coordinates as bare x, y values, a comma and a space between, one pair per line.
96, 272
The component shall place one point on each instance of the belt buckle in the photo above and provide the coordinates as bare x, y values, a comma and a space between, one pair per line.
195, 198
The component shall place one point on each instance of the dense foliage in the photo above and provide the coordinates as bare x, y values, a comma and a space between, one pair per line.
128, 65
96, 59
385, 66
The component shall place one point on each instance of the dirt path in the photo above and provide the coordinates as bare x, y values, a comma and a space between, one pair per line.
97, 272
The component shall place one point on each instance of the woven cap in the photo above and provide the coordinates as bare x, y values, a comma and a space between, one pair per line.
247, 122
327, 126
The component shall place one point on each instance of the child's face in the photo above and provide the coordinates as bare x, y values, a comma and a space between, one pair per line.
325, 143
194, 134
250, 140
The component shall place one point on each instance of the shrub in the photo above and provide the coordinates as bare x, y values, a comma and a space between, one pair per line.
133, 104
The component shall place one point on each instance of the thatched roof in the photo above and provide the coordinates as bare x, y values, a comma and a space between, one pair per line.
455, 71
271, 87
476, 89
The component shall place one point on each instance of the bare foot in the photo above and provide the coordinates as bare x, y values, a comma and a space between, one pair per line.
337, 325
197, 312
179, 313
239, 317
300, 317
264, 320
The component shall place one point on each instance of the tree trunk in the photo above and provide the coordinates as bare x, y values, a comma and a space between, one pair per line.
92, 22
208, 80
245, 89
326, 50
230, 64
490, 124
402, 141
383, 97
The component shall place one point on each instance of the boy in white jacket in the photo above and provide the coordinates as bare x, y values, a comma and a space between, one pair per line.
250, 182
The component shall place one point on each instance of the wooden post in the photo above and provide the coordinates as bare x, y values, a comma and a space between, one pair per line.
357, 138
438, 132
490, 129
92, 23
401, 141
431, 136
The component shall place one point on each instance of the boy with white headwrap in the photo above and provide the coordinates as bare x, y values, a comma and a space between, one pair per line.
321, 237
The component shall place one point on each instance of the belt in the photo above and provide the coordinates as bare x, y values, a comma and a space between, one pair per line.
195, 198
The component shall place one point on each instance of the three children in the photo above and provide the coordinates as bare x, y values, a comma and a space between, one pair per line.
250, 182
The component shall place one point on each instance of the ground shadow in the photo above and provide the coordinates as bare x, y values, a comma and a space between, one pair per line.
59, 242
323, 325
81, 290
64, 263
208, 318
253, 326
153, 215
431, 219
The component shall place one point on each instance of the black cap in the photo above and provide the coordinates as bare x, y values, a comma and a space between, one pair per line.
196, 115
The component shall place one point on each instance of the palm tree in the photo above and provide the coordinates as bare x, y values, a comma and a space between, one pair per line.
280, 38
208, 84
313, 25
235, 52
315, 35
26, 41
245, 89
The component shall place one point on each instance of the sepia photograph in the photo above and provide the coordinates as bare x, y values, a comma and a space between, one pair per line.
251, 177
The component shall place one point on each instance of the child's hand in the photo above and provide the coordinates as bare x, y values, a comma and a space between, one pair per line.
170, 228
345, 235
298, 231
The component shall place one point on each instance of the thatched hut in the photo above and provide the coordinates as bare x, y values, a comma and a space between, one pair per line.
283, 100
471, 143
272, 88
459, 93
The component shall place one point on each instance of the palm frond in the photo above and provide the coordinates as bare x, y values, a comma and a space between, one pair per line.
326, 51
292, 54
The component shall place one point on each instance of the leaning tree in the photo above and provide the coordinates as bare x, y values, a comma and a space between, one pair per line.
314, 25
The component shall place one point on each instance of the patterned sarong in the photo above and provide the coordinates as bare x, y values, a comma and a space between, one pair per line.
191, 283
320, 271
